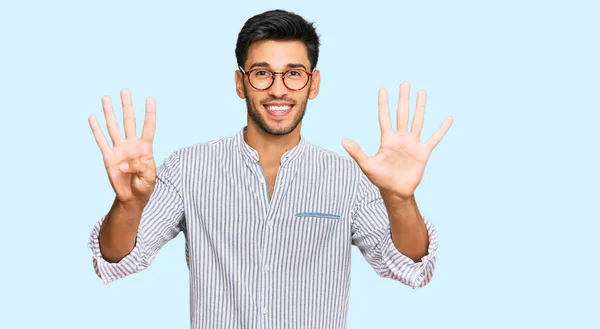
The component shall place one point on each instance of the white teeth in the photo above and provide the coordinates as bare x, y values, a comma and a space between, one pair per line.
278, 108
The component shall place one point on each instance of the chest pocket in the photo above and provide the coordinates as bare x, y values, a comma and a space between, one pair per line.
318, 215
309, 234
319, 225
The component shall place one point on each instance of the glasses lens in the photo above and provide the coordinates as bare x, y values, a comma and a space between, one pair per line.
295, 79
260, 79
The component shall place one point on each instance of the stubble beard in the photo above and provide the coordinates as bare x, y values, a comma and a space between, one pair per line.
259, 118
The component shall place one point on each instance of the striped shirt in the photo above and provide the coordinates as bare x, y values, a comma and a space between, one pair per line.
257, 261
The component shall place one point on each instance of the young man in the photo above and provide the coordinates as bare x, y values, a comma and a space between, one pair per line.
269, 218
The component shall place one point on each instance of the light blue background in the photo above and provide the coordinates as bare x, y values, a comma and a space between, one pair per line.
512, 188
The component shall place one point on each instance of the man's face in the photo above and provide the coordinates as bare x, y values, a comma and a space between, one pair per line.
277, 110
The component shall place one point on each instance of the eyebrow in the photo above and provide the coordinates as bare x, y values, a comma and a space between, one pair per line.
265, 64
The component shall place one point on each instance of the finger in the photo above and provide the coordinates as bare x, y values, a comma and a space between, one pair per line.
419, 117
140, 167
111, 120
402, 115
98, 135
355, 152
384, 112
439, 134
150, 120
128, 115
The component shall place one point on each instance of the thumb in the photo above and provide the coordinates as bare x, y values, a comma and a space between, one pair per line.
355, 152
139, 167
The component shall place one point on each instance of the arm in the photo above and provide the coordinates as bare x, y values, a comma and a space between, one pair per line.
372, 234
408, 229
148, 209
117, 253
118, 231
386, 206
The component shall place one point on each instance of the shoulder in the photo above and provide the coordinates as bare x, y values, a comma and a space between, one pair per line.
321, 153
332, 159
217, 146
187, 157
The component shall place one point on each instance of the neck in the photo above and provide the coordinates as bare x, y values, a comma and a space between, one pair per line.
270, 148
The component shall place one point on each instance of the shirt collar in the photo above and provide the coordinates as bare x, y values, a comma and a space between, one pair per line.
251, 154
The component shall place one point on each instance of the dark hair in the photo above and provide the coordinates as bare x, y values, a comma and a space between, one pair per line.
277, 25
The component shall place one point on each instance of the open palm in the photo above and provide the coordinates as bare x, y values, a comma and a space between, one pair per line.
130, 163
400, 162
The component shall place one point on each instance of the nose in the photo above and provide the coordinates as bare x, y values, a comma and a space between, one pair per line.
278, 89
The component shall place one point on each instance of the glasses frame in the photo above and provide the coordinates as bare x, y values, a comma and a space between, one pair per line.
247, 74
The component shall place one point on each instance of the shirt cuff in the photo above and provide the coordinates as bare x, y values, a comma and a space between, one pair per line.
400, 267
108, 271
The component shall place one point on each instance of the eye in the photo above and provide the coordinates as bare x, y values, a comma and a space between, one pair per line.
262, 73
294, 73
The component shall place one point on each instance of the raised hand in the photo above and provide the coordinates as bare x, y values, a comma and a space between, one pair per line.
399, 164
129, 163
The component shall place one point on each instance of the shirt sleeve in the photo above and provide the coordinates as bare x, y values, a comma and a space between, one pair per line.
371, 233
162, 219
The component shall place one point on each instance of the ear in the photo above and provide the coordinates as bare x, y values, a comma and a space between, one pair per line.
239, 84
314, 86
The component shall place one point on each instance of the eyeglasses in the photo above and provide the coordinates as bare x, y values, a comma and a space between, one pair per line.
263, 79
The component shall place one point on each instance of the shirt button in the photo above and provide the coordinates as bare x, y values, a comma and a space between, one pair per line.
269, 223
265, 311
261, 180
267, 268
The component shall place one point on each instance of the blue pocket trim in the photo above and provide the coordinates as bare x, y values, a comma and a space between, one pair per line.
316, 214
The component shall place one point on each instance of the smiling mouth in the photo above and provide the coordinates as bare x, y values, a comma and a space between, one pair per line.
278, 110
